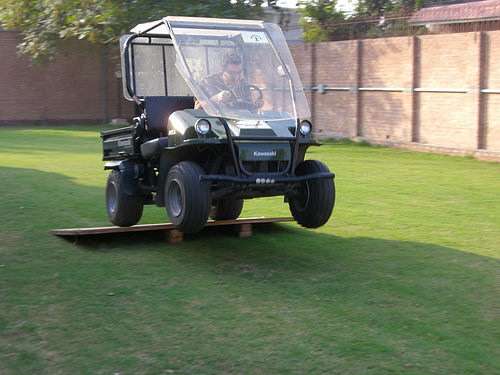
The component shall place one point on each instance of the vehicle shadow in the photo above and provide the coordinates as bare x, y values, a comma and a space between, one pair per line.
283, 255
406, 290
290, 250
52, 200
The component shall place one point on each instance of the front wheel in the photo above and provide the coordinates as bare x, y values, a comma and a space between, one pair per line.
123, 209
313, 205
186, 197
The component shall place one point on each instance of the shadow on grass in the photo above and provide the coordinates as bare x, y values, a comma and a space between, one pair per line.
300, 253
54, 201
346, 292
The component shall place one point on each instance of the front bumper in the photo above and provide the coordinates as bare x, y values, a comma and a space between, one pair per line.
265, 179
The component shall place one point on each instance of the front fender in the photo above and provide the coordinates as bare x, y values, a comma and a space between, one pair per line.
130, 172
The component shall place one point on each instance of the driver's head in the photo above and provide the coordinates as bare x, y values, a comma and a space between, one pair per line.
232, 68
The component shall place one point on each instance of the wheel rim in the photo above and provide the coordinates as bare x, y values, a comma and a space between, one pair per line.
111, 198
175, 202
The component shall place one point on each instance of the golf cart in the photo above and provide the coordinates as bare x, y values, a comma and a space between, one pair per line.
221, 117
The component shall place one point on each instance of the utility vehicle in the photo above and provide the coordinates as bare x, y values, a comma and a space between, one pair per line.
221, 117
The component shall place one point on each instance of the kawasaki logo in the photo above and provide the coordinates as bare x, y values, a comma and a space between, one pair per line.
124, 142
264, 153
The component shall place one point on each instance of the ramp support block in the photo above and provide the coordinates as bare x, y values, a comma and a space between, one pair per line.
174, 236
245, 230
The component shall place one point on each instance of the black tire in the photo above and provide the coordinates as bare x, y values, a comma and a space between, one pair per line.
314, 205
123, 209
227, 209
186, 197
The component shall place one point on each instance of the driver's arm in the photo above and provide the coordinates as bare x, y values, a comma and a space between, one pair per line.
215, 89
221, 97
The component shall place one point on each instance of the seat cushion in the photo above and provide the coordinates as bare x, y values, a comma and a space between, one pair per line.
159, 109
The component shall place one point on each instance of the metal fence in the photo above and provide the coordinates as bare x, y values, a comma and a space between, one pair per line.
399, 24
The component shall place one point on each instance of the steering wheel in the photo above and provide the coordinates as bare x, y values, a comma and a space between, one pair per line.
256, 89
245, 103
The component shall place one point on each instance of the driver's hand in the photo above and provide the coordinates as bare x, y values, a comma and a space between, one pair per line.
224, 96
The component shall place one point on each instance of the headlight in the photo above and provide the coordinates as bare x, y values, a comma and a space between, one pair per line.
305, 127
202, 127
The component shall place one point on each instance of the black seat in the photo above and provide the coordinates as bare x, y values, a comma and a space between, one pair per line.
152, 148
159, 108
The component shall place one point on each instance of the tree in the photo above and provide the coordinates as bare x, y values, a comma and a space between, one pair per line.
43, 23
374, 7
381, 7
318, 18
322, 21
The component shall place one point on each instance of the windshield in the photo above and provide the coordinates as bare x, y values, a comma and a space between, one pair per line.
239, 70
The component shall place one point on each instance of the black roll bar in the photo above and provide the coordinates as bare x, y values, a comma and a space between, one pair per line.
126, 59
230, 138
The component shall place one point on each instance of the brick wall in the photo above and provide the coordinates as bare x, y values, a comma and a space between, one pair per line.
432, 92
335, 65
79, 85
491, 79
450, 62
386, 63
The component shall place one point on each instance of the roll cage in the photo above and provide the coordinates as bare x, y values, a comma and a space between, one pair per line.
159, 33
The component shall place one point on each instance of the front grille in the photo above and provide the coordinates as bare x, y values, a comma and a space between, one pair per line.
257, 167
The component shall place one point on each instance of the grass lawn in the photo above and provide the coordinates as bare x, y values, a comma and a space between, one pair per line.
404, 278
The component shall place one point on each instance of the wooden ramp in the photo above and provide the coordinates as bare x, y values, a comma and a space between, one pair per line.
242, 225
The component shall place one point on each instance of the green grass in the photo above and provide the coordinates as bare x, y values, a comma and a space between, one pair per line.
403, 279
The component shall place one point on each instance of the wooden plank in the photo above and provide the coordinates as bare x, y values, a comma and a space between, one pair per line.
163, 226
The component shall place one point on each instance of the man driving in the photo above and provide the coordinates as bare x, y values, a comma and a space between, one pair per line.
230, 87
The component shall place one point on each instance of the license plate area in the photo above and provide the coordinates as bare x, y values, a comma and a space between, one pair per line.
258, 152
264, 158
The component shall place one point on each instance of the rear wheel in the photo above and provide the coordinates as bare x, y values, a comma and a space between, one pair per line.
123, 209
313, 206
186, 197
227, 209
